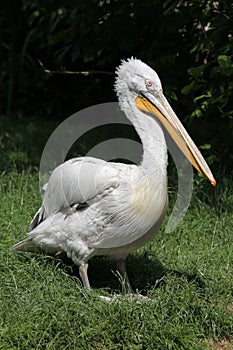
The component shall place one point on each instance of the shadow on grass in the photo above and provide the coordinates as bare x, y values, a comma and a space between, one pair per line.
145, 273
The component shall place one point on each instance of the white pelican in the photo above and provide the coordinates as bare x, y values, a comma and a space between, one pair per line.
92, 207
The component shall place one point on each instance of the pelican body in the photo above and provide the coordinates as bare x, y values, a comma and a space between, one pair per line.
91, 207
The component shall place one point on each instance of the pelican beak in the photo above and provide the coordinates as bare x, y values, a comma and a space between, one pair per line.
158, 105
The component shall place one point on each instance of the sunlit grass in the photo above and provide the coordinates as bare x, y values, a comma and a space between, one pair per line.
186, 275
43, 305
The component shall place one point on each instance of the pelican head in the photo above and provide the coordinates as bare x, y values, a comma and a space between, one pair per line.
139, 86
133, 76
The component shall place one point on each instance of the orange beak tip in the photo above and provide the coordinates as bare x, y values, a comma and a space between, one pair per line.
213, 182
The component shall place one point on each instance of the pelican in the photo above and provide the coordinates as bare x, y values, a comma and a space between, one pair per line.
92, 207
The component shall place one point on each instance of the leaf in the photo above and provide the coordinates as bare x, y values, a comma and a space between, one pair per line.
190, 88
205, 146
172, 95
196, 113
225, 61
197, 72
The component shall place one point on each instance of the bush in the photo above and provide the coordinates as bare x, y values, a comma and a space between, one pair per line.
189, 43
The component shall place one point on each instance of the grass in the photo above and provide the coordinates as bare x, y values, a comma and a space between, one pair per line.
186, 275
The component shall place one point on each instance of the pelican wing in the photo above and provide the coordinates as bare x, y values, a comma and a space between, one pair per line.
77, 182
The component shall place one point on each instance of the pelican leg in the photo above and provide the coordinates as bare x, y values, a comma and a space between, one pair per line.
84, 277
125, 279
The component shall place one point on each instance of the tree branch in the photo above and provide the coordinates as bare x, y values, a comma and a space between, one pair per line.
85, 73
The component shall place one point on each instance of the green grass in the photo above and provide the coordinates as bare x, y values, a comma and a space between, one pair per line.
186, 275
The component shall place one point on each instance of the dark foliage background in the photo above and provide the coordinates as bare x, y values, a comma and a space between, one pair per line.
189, 43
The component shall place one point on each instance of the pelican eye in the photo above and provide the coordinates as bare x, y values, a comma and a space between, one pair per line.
149, 84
